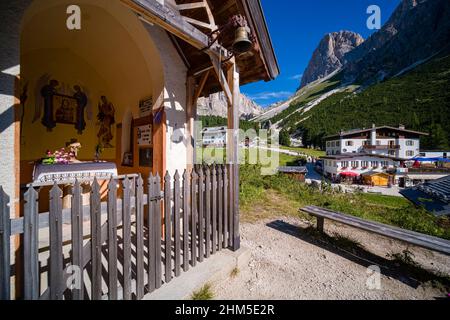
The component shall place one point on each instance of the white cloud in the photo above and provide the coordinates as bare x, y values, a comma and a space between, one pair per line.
271, 95
296, 77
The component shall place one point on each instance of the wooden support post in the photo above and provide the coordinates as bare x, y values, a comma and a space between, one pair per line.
233, 151
320, 224
191, 109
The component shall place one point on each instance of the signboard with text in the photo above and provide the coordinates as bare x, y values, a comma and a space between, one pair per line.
144, 135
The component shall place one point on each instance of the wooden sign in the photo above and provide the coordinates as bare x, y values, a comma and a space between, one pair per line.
145, 107
144, 135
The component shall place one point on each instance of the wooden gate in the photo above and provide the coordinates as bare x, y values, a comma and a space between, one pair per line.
123, 248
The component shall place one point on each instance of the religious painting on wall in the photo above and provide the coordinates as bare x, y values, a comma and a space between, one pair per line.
47, 92
64, 108
106, 120
60, 104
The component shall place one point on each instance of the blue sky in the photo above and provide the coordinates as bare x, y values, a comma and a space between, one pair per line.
297, 26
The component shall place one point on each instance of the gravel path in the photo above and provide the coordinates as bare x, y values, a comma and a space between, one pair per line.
287, 263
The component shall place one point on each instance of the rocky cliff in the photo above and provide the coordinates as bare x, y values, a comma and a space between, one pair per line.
416, 31
329, 55
216, 105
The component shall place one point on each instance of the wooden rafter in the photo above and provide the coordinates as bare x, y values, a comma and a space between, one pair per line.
199, 89
211, 24
173, 22
217, 65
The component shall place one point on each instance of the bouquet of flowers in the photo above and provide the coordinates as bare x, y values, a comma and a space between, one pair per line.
60, 156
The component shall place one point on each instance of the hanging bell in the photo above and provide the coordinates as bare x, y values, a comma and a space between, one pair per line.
242, 42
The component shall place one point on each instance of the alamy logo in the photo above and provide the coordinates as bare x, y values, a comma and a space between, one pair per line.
374, 20
73, 21
74, 279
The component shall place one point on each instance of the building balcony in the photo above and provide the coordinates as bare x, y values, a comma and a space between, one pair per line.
429, 170
382, 147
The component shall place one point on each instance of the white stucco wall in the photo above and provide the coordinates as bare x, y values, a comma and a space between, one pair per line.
174, 100
174, 97
11, 13
358, 144
335, 166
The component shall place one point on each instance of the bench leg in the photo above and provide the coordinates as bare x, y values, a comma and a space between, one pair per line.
320, 223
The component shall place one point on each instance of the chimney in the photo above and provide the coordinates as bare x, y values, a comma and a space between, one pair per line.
373, 136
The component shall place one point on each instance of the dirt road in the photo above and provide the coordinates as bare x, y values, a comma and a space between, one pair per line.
289, 263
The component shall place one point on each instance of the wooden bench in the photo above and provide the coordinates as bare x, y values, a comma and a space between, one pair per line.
415, 238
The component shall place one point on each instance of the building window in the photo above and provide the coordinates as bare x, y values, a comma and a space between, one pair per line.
364, 164
349, 143
391, 152
338, 143
328, 144
344, 164
384, 163
378, 143
409, 143
410, 153
355, 164
374, 164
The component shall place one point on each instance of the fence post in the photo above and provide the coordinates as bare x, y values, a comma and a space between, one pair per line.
208, 212
126, 223
158, 221
225, 207
185, 221
139, 238
77, 237
96, 244
112, 239
213, 190
167, 229
220, 206
151, 223
30, 246
194, 186
234, 171
56, 254
230, 206
203, 235
176, 225
5, 234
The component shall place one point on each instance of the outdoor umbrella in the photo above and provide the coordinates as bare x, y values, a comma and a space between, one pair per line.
349, 174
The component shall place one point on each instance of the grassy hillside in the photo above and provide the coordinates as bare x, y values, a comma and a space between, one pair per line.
419, 99
215, 121
307, 94
263, 197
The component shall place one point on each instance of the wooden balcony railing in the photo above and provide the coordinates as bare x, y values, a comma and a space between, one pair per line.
382, 147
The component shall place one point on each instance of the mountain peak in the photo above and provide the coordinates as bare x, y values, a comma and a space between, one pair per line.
217, 105
417, 30
329, 55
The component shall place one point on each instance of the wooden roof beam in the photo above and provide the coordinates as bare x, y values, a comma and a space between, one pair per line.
173, 22
222, 77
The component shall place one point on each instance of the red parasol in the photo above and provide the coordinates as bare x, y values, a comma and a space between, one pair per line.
349, 174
